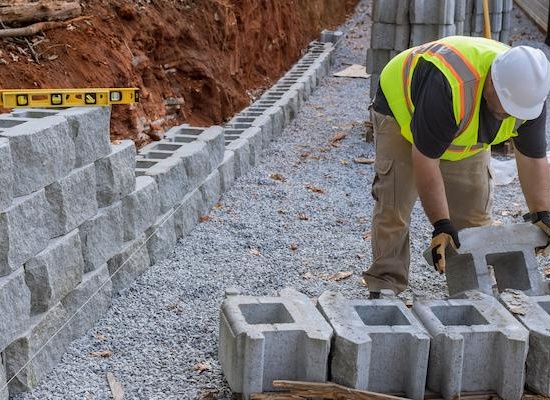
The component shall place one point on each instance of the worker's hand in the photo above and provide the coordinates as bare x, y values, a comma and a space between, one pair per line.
444, 234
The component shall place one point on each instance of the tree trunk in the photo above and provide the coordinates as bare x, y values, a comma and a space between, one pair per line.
24, 11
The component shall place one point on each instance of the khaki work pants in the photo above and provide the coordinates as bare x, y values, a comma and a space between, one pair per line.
468, 186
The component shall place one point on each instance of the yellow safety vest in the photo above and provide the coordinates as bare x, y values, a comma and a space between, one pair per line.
465, 62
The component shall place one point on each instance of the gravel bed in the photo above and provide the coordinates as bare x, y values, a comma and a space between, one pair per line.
265, 234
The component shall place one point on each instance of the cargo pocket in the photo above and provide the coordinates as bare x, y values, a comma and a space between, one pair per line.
383, 188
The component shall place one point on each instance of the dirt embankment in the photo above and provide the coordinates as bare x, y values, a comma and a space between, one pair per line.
195, 61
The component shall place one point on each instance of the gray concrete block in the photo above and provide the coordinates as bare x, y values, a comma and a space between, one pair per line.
188, 212
496, 22
504, 36
227, 171
6, 174
23, 231
254, 137
140, 208
214, 139
115, 176
421, 34
101, 236
477, 345
384, 11
42, 152
4, 393
266, 338
89, 301
377, 60
72, 200
54, 272
290, 104
506, 21
504, 253
172, 182
434, 12
277, 119
211, 189
265, 124
196, 159
373, 84
89, 127
382, 36
15, 307
126, 266
460, 10
378, 345
402, 37
241, 150
534, 313
161, 237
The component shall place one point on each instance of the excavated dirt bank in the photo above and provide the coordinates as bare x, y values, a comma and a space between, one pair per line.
195, 61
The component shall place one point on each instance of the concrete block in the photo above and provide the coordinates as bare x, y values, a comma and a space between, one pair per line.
161, 237
42, 152
187, 214
506, 21
213, 137
267, 338
421, 34
72, 200
227, 171
504, 36
115, 176
4, 393
6, 174
172, 182
534, 313
89, 128
384, 11
241, 150
54, 272
277, 119
402, 37
140, 208
289, 103
377, 60
477, 345
433, 12
503, 253
460, 10
196, 159
382, 36
101, 236
23, 231
507, 5
15, 307
89, 301
373, 84
254, 138
211, 189
265, 124
496, 22
378, 345
126, 266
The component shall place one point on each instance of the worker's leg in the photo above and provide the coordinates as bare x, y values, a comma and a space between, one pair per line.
468, 186
395, 193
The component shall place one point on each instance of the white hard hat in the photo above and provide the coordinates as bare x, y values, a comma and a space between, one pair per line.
521, 77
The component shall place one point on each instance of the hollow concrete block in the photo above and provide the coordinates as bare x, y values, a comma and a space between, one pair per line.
241, 149
161, 237
227, 171
378, 346
277, 119
172, 181
6, 174
436, 12
382, 36
196, 159
254, 138
140, 208
477, 345
15, 306
265, 124
215, 143
127, 265
266, 338
115, 176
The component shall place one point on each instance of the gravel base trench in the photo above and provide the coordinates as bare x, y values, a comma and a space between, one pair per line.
264, 235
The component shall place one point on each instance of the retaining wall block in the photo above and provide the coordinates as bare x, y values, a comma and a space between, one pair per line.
307, 82
6, 174
382, 36
126, 266
402, 37
72, 200
506, 21
102, 236
503, 253
54, 272
265, 124
34, 353
377, 60
460, 10
89, 127
115, 176
215, 142
42, 152
172, 181
196, 159
241, 150
23, 231
254, 137
140, 208
188, 212
534, 313
378, 346
277, 118
15, 307
227, 171
89, 301
161, 238
384, 11
267, 338
211, 189
477, 345
437, 12
4, 393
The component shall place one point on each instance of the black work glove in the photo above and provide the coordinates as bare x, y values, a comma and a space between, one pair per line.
444, 234
542, 220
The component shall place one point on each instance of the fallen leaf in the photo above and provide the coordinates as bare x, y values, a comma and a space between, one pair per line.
53, 57
255, 252
102, 353
293, 246
363, 160
547, 271
201, 367
282, 211
100, 336
334, 142
303, 217
313, 188
367, 236
277, 177
205, 218
116, 141
345, 162
308, 275
218, 206
340, 275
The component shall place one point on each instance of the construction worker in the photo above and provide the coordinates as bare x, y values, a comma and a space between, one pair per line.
438, 109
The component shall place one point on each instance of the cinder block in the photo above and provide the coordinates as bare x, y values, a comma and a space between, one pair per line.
434, 12
477, 345
278, 121
140, 208
129, 264
72, 200
188, 212
289, 103
241, 150
6, 174
504, 253
265, 124
384, 11
421, 34
196, 159
266, 338
254, 138
89, 301
161, 238
171, 181
115, 176
89, 127
42, 152
382, 36
101, 236
23, 231
402, 37
227, 171
214, 139
460, 10
506, 21
54, 272
496, 22
377, 60
211, 189
534, 313
378, 345
15, 307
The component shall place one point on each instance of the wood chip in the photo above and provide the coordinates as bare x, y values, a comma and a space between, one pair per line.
102, 353
255, 252
303, 217
363, 160
340, 276
116, 388
293, 246
335, 141
201, 367
314, 189
277, 177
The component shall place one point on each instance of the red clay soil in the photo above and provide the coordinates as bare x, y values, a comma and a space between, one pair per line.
195, 61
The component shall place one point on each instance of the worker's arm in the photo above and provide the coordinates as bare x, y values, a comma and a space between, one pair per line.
533, 177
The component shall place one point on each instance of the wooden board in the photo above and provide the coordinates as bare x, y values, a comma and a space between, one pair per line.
537, 10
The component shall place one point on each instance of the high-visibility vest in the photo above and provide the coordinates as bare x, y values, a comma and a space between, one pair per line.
465, 63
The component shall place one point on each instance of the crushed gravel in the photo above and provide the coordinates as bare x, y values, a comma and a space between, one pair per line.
265, 234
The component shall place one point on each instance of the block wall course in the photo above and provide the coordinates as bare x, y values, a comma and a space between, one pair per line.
129, 263
15, 307
115, 176
140, 208
172, 181
161, 237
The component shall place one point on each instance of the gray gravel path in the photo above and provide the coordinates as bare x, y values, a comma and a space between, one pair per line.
264, 235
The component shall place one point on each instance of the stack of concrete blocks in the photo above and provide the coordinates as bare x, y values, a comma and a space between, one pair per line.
267, 338
534, 313
378, 345
500, 12
477, 345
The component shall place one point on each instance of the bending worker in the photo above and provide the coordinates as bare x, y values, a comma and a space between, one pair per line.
438, 109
